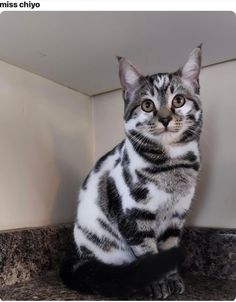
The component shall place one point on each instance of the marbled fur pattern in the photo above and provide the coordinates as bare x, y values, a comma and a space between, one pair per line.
134, 202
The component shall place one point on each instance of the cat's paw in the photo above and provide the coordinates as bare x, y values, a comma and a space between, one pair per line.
170, 285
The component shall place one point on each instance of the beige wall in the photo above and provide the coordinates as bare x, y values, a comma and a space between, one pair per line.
45, 151
215, 201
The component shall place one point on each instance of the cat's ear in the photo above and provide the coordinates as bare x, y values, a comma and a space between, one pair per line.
129, 75
191, 69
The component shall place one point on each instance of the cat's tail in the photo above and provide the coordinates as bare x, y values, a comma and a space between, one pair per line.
118, 280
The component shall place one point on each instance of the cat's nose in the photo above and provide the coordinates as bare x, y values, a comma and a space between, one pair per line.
165, 120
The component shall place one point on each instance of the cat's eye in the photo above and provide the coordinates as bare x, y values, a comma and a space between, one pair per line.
178, 101
147, 106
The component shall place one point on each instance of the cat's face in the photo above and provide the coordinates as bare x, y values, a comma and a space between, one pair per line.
164, 107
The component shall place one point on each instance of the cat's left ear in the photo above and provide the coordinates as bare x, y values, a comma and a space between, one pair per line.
191, 69
129, 75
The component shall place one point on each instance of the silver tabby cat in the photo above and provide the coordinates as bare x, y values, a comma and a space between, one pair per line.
134, 202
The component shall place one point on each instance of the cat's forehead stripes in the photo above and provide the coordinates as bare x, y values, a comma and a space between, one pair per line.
159, 86
161, 81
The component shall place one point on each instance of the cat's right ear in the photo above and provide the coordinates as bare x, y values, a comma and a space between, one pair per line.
129, 75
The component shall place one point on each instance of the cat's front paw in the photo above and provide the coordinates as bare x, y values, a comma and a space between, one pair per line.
170, 285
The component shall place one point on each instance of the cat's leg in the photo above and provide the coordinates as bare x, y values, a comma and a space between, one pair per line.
169, 238
147, 246
141, 238
138, 229
172, 283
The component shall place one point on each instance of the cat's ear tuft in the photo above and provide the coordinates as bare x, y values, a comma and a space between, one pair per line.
129, 75
191, 69
119, 58
200, 46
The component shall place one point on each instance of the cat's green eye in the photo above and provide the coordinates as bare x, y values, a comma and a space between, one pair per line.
178, 101
148, 106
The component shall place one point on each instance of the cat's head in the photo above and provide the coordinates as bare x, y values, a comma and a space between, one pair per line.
164, 107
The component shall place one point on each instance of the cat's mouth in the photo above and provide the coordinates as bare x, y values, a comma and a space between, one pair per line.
163, 130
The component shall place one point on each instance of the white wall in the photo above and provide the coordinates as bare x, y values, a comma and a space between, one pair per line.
45, 151
215, 201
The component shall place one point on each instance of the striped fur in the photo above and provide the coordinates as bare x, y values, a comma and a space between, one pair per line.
134, 202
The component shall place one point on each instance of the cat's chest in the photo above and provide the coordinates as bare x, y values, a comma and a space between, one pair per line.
175, 176
175, 182
152, 186
154, 193
168, 190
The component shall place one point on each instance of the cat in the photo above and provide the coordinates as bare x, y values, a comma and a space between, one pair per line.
133, 204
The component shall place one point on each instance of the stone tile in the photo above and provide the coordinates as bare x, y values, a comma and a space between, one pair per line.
51, 288
25, 254
210, 252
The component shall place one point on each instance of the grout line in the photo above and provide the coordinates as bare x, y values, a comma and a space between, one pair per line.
44, 77
218, 63
104, 92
